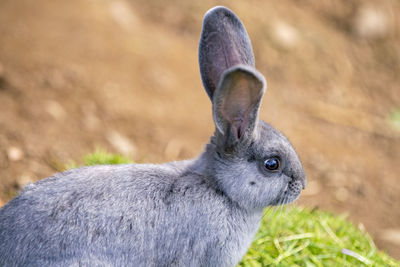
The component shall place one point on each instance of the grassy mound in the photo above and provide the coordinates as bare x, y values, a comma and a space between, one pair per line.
296, 237
302, 237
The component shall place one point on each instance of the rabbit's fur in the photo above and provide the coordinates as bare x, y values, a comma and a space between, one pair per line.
200, 212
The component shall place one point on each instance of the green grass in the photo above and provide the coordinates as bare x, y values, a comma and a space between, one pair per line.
99, 157
303, 237
295, 236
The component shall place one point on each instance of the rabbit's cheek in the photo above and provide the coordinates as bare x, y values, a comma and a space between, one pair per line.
266, 191
245, 185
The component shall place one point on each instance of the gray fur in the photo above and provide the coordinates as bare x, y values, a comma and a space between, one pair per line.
200, 212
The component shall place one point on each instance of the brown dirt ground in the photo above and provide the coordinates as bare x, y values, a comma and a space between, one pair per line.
76, 75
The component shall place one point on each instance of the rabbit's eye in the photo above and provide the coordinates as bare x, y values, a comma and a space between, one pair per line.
272, 164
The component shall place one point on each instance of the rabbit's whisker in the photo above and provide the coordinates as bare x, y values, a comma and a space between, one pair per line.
282, 205
268, 211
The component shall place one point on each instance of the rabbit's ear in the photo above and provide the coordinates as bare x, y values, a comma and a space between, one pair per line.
224, 43
236, 103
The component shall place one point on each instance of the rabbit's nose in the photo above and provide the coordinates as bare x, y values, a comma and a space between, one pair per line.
303, 179
300, 176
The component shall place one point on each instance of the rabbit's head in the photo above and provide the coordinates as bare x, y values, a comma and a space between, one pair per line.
253, 163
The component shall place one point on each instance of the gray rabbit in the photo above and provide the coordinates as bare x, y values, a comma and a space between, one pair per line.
199, 212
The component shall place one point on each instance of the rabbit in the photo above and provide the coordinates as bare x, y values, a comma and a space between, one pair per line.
199, 212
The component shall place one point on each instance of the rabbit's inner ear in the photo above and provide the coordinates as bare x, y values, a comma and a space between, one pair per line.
237, 101
224, 43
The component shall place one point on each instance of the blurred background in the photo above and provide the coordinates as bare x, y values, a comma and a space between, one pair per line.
123, 75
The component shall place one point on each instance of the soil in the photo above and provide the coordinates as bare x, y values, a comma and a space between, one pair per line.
123, 75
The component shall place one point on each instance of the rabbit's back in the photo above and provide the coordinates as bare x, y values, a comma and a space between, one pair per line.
145, 215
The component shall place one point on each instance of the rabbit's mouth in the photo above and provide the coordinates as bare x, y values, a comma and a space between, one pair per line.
289, 194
